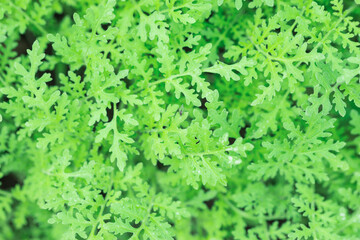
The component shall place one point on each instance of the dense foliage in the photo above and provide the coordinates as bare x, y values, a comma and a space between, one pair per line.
186, 119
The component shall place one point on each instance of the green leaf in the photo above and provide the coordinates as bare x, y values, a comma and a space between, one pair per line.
228, 71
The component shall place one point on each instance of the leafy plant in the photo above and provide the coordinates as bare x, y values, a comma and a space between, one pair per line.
186, 119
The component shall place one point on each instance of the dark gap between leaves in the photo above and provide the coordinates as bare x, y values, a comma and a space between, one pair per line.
105, 26
231, 140
160, 166
187, 49
80, 72
110, 112
210, 203
25, 42
242, 131
9, 181
203, 102
103, 194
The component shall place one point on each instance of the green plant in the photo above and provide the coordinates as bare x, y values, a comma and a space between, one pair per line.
194, 119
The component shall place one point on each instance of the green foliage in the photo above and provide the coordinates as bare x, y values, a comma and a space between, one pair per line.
179, 119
